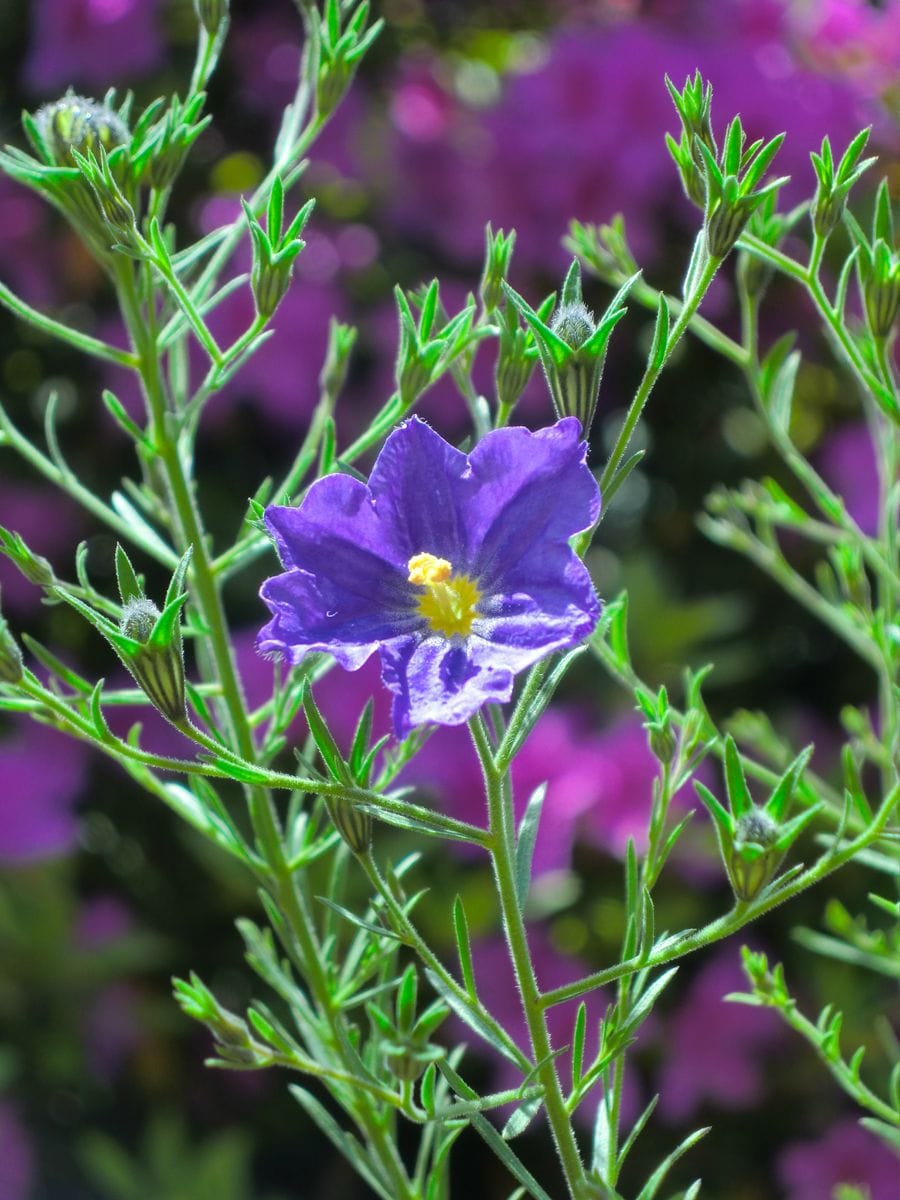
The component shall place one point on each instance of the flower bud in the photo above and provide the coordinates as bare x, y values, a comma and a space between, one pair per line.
574, 385
79, 123
354, 825
35, 568
157, 666
10, 656
754, 857
881, 290
662, 740
406, 1061
725, 225
498, 252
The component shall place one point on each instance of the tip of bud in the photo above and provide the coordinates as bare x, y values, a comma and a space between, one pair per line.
574, 323
79, 123
756, 826
138, 618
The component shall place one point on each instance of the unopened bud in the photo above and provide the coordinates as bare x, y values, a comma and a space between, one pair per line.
157, 669
662, 740
754, 857
882, 297
79, 123
354, 825
724, 227
574, 323
10, 656
575, 384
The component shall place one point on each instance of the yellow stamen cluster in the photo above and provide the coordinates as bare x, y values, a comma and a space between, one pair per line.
449, 601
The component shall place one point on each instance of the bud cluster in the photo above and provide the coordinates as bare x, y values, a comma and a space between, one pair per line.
753, 839
404, 1041
833, 186
429, 346
723, 184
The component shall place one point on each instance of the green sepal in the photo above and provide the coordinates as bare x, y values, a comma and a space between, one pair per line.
720, 815
166, 632
789, 833
739, 797
777, 804
130, 586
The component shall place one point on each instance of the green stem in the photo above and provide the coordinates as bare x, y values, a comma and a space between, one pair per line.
502, 856
834, 326
186, 513
64, 333
67, 482
851, 1084
653, 370
404, 927
740, 916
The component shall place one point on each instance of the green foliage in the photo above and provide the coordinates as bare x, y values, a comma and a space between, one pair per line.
357, 994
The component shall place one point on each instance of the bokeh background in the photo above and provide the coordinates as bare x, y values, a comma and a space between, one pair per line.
526, 114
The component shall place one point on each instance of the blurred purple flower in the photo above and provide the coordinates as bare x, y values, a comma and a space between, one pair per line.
101, 920
848, 465
43, 774
853, 38
556, 752
456, 568
49, 523
624, 770
714, 1050
91, 42
110, 1023
494, 973
27, 259
548, 150
16, 1157
847, 1153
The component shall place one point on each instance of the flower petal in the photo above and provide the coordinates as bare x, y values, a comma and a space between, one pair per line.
346, 591
419, 485
516, 629
438, 680
531, 493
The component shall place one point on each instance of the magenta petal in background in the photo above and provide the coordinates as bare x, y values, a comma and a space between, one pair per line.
43, 774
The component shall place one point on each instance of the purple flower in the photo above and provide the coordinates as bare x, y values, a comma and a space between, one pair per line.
43, 773
555, 752
848, 463
93, 42
624, 769
846, 1154
715, 1049
456, 568
16, 1158
49, 523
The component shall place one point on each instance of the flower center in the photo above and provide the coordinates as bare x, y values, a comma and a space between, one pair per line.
448, 601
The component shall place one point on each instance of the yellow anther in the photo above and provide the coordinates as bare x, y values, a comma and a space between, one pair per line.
449, 602
426, 569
